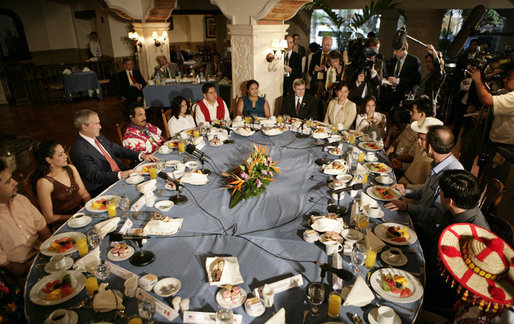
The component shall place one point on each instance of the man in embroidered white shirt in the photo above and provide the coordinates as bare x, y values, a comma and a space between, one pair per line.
211, 107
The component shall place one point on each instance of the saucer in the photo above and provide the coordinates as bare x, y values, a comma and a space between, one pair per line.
352, 235
372, 317
384, 180
380, 213
72, 222
311, 239
135, 180
252, 313
74, 317
401, 262
49, 268
163, 287
372, 159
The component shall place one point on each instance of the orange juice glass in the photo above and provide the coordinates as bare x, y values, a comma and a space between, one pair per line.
334, 304
91, 286
153, 172
196, 133
361, 157
371, 257
182, 146
82, 246
111, 209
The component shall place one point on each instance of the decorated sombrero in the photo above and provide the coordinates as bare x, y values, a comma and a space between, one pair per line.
480, 262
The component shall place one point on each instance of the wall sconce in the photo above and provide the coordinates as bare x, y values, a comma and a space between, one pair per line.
158, 40
133, 36
275, 54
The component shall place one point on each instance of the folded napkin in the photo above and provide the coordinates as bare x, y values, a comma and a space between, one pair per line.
66, 71
230, 270
360, 169
278, 318
367, 201
238, 123
147, 186
360, 295
89, 261
194, 178
323, 224
163, 227
106, 227
107, 300
86, 69
373, 242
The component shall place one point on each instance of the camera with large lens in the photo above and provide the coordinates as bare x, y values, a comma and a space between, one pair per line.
361, 56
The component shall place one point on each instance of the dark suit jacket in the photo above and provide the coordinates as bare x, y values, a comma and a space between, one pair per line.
307, 109
295, 63
410, 74
93, 167
124, 84
372, 83
316, 60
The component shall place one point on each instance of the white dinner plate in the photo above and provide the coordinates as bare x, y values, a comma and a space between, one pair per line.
161, 287
78, 281
172, 163
373, 166
192, 164
412, 283
242, 132
223, 303
112, 257
364, 146
381, 232
135, 180
327, 168
352, 235
44, 248
89, 204
372, 192
140, 167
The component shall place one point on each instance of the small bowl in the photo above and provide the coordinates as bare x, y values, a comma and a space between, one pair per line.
164, 205
352, 235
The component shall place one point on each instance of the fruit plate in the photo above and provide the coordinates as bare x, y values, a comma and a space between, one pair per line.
412, 283
375, 193
90, 207
377, 167
225, 304
78, 281
45, 246
143, 168
370, 146
381, 232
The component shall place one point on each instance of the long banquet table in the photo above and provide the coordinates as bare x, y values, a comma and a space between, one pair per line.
162, 95
264, 233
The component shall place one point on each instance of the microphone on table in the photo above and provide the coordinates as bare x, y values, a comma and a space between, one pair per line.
356, 186
341, 273
141, 257
191, 149
116, 237
179, 198
223, 127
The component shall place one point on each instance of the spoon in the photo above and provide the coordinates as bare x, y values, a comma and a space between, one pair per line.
356, 319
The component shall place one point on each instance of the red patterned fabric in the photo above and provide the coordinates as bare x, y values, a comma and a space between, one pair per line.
138, 139
220, 110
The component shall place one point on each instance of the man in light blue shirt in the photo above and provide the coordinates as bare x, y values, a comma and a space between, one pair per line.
438, 143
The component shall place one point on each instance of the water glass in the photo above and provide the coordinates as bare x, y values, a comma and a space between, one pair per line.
124, 205
315, 296
146, 308
102, 271
358, 258
93, 238
224, 315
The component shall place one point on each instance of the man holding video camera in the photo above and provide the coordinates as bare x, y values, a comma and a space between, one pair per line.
367, 76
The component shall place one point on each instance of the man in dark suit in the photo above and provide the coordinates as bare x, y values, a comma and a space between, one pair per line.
292, 66
404, 73
299, 104
367, 81
131, 83
318, 71
98, 159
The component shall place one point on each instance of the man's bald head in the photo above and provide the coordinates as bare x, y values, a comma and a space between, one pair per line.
441, 139
326, 44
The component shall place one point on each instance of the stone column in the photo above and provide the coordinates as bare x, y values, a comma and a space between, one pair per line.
250, 44
388, 23
148, 52
424, 25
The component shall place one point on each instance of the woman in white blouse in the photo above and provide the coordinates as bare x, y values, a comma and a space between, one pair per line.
341, 110
371, 121
181, 119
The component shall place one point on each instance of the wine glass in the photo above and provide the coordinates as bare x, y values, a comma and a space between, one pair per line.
358, 258
362, 222
94, 239
146, 308
224, 315
102, 271
315, 296
124, 205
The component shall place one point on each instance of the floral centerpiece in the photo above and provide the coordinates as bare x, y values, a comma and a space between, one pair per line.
252, 177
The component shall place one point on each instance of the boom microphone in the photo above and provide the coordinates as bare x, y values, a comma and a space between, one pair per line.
468, 26
191, 149
165, 176
356, 186
341, 273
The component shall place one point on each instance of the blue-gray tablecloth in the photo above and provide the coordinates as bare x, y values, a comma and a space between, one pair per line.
81, 82
162, 95
258, 231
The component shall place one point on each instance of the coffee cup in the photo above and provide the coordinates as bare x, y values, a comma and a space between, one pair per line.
373, 211
395, 254
333, 248
79, 219
268, 295
385, 315
134, 174
370, 155
131, 286
59, 316
58, 261
165, 149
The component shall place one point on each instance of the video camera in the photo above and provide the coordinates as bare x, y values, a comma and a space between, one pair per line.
361, 56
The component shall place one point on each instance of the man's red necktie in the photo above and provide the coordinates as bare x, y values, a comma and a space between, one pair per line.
298, 108
132, 78
112, 163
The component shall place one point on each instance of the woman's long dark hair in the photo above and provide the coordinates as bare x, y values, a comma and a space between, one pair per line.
45, 149
175, 106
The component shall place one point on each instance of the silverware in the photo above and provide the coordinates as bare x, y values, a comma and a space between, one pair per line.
356, 319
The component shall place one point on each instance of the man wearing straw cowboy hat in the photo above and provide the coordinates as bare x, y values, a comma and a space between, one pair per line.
481, 265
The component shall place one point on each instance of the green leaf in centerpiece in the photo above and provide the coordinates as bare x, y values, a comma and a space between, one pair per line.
235, 199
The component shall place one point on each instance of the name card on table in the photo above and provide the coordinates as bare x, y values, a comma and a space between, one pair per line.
202, 317
161, 308
124, 229
282, 285
119, 271
306, 130
138, 204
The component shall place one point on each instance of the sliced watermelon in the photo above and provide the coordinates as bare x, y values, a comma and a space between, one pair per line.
406, 292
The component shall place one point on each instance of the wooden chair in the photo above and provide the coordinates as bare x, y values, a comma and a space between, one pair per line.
52, 88
120, 128
166, 115
491, 196
27, 187
105, 84
502, 228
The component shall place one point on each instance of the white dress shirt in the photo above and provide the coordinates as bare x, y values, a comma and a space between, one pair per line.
200, 118
175, 125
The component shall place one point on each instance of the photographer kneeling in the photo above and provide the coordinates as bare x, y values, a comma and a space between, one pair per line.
501, 133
